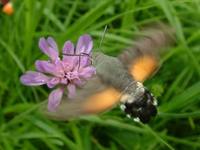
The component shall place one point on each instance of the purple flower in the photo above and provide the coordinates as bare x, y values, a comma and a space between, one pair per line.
72, 71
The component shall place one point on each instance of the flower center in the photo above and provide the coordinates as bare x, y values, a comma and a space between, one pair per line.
70, 75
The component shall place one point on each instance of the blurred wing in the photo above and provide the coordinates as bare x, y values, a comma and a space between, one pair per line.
142, 60
93, 97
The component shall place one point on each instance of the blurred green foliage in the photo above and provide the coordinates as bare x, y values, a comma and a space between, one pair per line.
177, 84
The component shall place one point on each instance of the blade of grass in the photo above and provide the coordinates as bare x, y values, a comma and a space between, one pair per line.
186, 97
70, 14
171, 15
54, 19
158, 137
176, 82
13, 55
87, 19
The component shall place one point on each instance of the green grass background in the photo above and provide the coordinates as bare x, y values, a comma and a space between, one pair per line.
176, 85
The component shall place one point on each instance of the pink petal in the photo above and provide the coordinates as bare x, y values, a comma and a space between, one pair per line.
68, 48
52, 43
87, 72
84, 44
32, 78
53, 54
53, 82
79, 82
68, 66
45, 67
64, 81
71, 90
43, 45
48, 49
70, 63
85, 60
55, 99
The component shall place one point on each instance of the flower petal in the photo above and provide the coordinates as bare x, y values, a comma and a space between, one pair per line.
48, 49
71, 90
67, 66
87, 72
55, 99
52, 43
53, 82
43, 45
45, 66
53, 54
68, 48
84, 44
64, 81
78, 82
85, 60
32, 78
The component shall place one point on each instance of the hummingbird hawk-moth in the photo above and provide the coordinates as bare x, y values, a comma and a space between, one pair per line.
118, 80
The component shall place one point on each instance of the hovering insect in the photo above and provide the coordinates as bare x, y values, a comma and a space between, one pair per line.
119, 81
7, 7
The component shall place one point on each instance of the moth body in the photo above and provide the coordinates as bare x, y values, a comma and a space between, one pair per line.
136, 101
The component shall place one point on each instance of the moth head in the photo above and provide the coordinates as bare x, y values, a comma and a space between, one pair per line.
141, 105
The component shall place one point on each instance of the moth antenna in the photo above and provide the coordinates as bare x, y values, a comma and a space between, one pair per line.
103, 36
